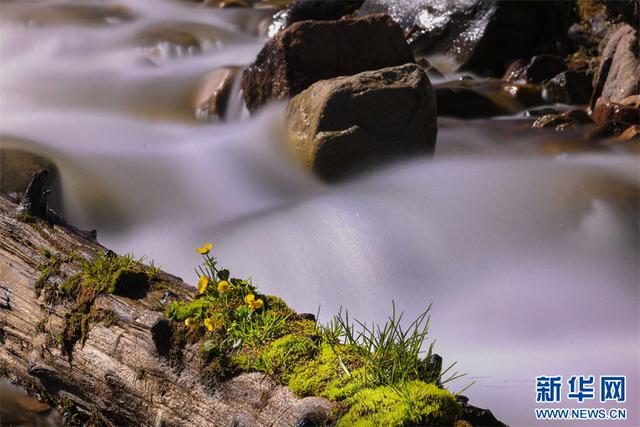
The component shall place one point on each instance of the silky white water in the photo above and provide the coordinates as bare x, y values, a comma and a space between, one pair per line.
531, 262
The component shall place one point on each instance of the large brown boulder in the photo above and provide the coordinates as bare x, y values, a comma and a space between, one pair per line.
308, 51
618, 75
342, 125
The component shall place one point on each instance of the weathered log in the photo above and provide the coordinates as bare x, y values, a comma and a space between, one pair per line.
119, 373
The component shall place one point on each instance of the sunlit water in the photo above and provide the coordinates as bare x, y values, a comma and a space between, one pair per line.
531, 262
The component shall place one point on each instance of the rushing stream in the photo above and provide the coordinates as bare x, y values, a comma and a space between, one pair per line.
531, 261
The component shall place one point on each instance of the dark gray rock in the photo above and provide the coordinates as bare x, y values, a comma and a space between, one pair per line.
569, 87
483, 36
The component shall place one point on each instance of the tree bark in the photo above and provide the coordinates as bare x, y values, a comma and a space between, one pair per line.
118, 375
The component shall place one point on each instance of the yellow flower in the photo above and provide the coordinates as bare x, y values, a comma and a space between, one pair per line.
252, 302
191, 322
208, 323
223, 286
203, 284
205, 249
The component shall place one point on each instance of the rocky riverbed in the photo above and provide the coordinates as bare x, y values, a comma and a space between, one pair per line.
478, 155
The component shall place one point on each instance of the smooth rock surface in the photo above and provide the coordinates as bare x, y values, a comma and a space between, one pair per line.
342, 125
309, 51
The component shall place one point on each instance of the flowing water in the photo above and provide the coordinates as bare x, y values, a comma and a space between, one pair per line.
531, 261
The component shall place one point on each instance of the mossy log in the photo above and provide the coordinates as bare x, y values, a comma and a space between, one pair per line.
117, 372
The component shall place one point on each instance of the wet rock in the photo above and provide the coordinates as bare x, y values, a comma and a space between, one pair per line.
309, 51
564, 121
550, 120
632, 133
481, 35
618, 75
484, 98
342, 125
578, 64
539, 69
213, 93
539, 112
431, 71
578, 116
477, 416
606, 111
317, 10
568, 87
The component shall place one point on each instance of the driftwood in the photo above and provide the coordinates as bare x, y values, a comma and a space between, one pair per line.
119, 375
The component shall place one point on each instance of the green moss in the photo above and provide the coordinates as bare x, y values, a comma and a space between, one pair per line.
243, 361
46, 253
302, 327
45, 273
273, 303
40, 326
129, 283
27, 218
416, 403
284, 354
377, 376
181, 310
71, 286
75, 329
327, 376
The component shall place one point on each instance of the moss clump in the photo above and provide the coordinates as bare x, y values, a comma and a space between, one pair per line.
71, 286
378, 375
329, 375
130, 283
106, 273
415, 403
183, 310
284, 354
76, 328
